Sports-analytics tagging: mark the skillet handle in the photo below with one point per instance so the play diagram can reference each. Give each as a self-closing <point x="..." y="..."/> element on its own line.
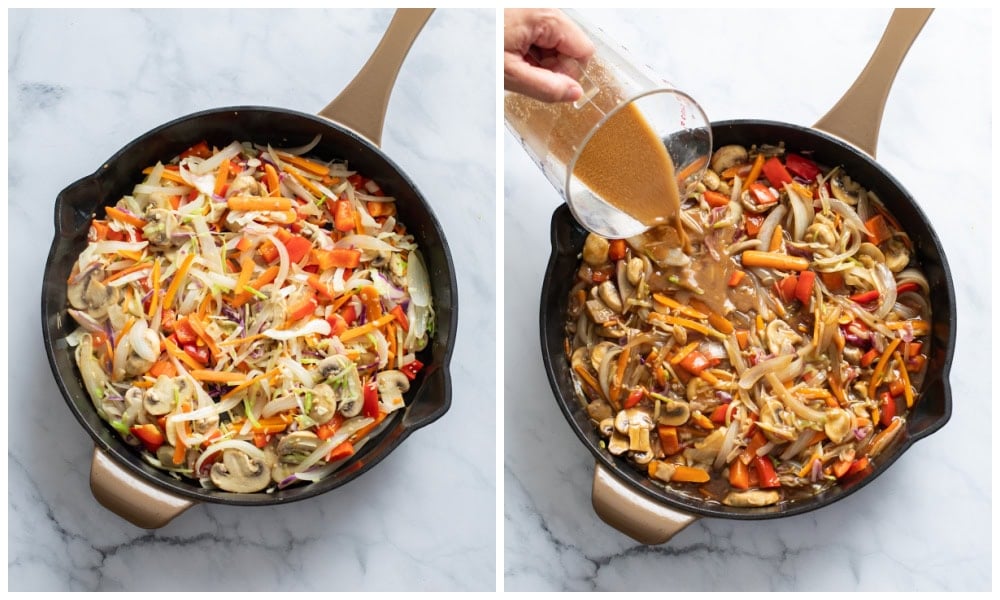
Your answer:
<point x="858" y="114"/>
<point x="131" y="498"/>
<point x="633" y="514"/>
<point x="362" y="104"/>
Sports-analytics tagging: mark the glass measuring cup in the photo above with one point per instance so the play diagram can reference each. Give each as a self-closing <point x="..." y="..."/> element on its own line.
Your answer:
<point x="555" y="135"/>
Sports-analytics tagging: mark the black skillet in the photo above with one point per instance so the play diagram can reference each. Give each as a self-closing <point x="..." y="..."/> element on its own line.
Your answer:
<point x="624" y="497"/>
<point x="351" y="128"/>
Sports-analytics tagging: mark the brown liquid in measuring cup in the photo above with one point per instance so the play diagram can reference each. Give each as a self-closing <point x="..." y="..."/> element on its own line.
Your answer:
<point x="627" y="165"/>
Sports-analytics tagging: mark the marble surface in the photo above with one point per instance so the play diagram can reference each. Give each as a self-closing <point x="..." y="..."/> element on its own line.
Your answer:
<point x="924" y="524"/>
<point x="84" y="83"/>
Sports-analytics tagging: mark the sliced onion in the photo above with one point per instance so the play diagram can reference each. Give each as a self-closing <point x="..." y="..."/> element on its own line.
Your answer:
<point x="283" y="261"/>
<point x="319" y="326"/>
<point x="848" y="213"/>
<point x="294" y="367"/>
<point x="800" y="444"/>
<point x="112" y="247"/>
<point x="206" y="411"/>
<point x="349" y="428"/>
<point x="365" y="242"/>
<point x="767" y="227"/>
<point x="86" y="321"/>
<point x="802" y="213"/>
<point x="728" y="443"/>
<point x="175" y="190"/>
<point x="300" y="150"/>
<point x="886" y="285"/>
<point x="141" y="346"/>
<point x="417" y="280"/>
<point x="385" y="287"/>
<point x="244" y="447"/>
<point x="751" y="375"/>
<point x="792" y="402"/>
<point x="201" y="167"/>
<point x="604" y="373"/>
<point x="279" y="405"/>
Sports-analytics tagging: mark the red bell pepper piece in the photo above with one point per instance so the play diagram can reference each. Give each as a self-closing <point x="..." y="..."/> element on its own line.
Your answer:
<point x="858" y="465"/>
<point x="411" y="369"/>
<point x="761" y="194"/>
<point x="349" y="313"/>
<point x="358" y="181"/>
<point x="865" y="297"/>
<point x="888" y="409"/>
<point x="634" y="397"/>
<point x="765" y="472"/>
<point x="338" y="324"/>
<point x="370" y="407"/>
<point x="869" y="357"/>
<point x="198" y="353"/>
<point x="786" y="288"/>
<point x="909" y="286"/>
<point x="343" y="450"/>
<point x="715" y="199"/>
<point x="303" y="308"/>
<point x="149" y="435"/>
<point x="616" y="250"/>
<point x="801" y="167"/>
<point x="297" y="247"/>
<point x="184" y="332"/>
<point x="776" y="172"/>
<point x="719" y="414"/>
<point x="400" y="315"/>
<point x="347" y="258"/>
<point x="343" y="215"/>
<point x="201" y="150"/>
<point x="804" y="288"/>
<point x="695" y="362"/>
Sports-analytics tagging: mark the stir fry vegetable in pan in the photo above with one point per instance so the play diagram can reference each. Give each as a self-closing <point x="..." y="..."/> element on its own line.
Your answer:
<point x="249" y="317"/>
<point x="777" y="355"/>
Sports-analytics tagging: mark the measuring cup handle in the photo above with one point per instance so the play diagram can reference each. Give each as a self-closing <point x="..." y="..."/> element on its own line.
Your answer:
<point x="362" y="104"/>
<point x="858" y="115"/>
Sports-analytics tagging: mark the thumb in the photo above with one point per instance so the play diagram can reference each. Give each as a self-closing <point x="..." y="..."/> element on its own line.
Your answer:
<point x="539" y="83"/>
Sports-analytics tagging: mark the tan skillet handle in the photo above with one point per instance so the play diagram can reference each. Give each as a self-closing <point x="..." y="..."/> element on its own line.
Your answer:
<point x="635" y="515"/>
<point x="362" y="104"/>
<point x="858" y="115"/>
<point x="131" y="498"/>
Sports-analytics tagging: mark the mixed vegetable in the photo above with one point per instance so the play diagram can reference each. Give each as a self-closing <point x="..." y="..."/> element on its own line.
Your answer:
<point x="779" y="354"/>
<point x="249" y="317"/>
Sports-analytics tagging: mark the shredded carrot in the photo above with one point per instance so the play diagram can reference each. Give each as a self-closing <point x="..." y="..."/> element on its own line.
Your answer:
<point x="222" y="177"/>
<point x="242" y="340"/>
<point x="272" y="180"/>
<point x="218" y="376"/>
<point x="124" y="217"/>
<point x="361" y="433"/>
<point x="179" y="354"/>
<point x="692" y="168"/>
<point x="687" y="323"/>
<point x="155" y="300"/>
<point x="265" y="278"/>
<point x="907" y="389"/>
<point x="758" y="165"/>
<point x="590" y="381"/>
<point x="309" y="185"/>
<point x="684" y="473"/>
<point x="880" y="368"/>
<point x="367" y="328"/>
<point x="127" y="271"/>
<point x="249" y="203"/>
<point x="677" y="358"/>
<point x="246" y="271"/>
<point x="305" y="164"/>
<point x="711" y="379"/>
<point x="246" y="384"/>
<point x="341" y="301"/>
<point x="775" y="260"/>
<point x="623" y="358"/>
<point x="175" y="284"/>
<point x="686" y="310"/>
<point x="736" y="278"/>
<point x="776" y="239"/>
<point x="167" y="174"/>
<point x="135" y="255"/>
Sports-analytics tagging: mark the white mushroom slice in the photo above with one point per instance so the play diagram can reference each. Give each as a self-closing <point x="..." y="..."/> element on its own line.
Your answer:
<point x="610" y="296"/>
<point x="618" y="444"/>
<point x="838" y="425"/>
<point x="342" y="375"/>
<point x="324" y="404"/>
<point x="88" y="294"/>
<point x="165" y="394"/>
<point x="728" y="156"/>
<point x="296" y="446"/>
<point x="595" y="250"/>
<point x="391" y="385"/>
<point x="752" y="498"/>
<point x="238" y="472"/>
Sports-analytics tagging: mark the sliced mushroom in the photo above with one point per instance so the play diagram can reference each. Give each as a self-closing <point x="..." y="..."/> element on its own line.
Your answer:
<point x="88" y="294"/>
<point x="245" y="185"/>
<point x="610" y="296"/>
<point x="599" y="312"/>
<point x="160" y="226"/>
<point x="635" y="270"/>
<point x="391" y="385"/>
<point x="711" y="179"/>
<point x="342" y="375"/>
<point x="599" y="410"/>
<point x="595" y="250"/>
<point x="846" y="190"/>
<point x="165" y="394"/>
<point x="597" y="354"/>
<point x="772" y="423"/>
<point x="642" y="457"/>
<point x="637" y="424"/>
<point x="607" y="427"/>
<point x="618" y="444"/>
<point x="870" y="255"/>
<point x="238" y="472"/>
<point x="897" y="255"/>
<point x="324" y="404"/>
<point x="139" y="359"/>
<point x="752" y="498"/>
<point x="839" y="425"/>
<point x="294" y="447"/>
<point x="728" y="156"/>
<point x="781" y="339"/>
<point x="674" y="412"/>
<point x="613" y="330"/>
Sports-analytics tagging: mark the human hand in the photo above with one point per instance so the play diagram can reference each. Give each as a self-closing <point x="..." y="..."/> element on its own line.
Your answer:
<point x="552" y="32"/>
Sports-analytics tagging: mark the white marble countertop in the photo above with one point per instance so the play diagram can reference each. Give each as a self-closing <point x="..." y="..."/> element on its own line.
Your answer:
<point x="82" y="84"/>
<point x="925" y="523"/>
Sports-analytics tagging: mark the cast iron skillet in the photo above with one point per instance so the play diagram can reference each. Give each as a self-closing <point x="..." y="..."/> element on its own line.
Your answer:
<point x="624" y="496"/>
<point x="146" y="496"/>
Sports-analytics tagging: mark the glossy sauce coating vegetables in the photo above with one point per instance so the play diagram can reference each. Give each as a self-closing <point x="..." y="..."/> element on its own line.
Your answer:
<point x="781" y="355"/>
<point x="249" y="317"/>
